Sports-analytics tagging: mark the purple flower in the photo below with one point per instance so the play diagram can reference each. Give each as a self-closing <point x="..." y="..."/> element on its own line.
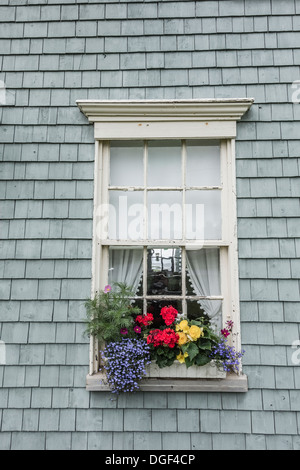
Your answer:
<point x="125" y="364"/>
<point x="137" y="329"/>
<point x="123" y="331"/>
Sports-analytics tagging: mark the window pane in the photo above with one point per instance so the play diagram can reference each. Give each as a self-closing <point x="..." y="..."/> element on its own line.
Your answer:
<point x="203" y="272"/>
<point x="203" y="215"/>
<point x="164" y="271"/>
<point x="203" y="308"/>
<point x="203" y="164"/>
<point x="164" y="164"/>
<point x="165" y="215"/>
<point x="126" y="215"/>
<point x="126" y="164"/>
<point x="125" y="265"/>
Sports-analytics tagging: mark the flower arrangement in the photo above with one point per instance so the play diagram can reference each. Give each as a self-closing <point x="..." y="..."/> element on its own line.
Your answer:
<point x="131" y="343"/>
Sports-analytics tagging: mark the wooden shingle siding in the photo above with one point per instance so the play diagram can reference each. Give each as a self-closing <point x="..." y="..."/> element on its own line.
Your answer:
<point x="54" y="53"/>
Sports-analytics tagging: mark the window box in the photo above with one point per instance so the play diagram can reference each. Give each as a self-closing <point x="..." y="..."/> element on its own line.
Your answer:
<point x="179" y="371"/>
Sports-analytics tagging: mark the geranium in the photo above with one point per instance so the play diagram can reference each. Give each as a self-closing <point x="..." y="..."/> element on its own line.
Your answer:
<point x="144" y="320"/>
<point x="169" y="314"/>
<point x="169" y="337"/>
<point x="166" y="337"/>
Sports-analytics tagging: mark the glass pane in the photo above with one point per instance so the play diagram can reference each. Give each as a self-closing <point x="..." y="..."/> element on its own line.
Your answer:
<point x="155" y="306"/>
<point x="138" y="303"/>
<point x="126" y="265"/>
<point x="199" y="309"/>
<point x="126" y="164"/>
<point x="203" y="215"/>
<point x="164" y="164"/>
<point x="203" y="164"/>
<point x="126" y="215"/>
<point x="164" y="271"/>
<point x="203" y="272"/>
<point x="164" y="215"/>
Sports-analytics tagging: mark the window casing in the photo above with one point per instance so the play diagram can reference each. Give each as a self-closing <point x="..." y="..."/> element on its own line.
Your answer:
<point x="139" y="132"/>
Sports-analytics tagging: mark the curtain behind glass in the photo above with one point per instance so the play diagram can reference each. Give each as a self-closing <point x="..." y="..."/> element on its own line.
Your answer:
<point x="204" y="272"/>
<point x="126" y="265"/>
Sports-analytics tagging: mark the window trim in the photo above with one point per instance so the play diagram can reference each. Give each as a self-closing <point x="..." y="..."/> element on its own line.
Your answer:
<point x="169" y="119"/>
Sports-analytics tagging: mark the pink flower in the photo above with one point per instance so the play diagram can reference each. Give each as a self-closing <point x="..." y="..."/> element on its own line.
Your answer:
<point x="123" y="331"/>
<point x="137" y="329"/>
<point x="225" y="332"/>
<point x="107" y="288"/>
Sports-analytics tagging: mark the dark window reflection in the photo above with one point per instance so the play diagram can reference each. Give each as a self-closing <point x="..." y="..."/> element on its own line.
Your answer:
<point x="194" y="311"/>
<point x="164" y="271"/>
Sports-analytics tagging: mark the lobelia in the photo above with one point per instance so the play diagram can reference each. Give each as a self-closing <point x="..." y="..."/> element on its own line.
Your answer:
<point x="125" y="364"/>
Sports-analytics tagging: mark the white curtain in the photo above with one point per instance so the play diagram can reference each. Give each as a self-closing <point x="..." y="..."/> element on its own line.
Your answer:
<point x="204" y="271"/>
<point x="125" y="265"/>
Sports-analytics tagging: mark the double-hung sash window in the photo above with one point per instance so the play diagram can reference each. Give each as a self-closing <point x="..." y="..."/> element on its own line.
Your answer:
<point x="164" y="206"/>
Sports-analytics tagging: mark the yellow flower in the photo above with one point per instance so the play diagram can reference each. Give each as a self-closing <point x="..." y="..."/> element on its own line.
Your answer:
<point x="181" y="357"/>
<point x="182" y="338"/>
<point x="195" y="332"/>
<point x="184" y="326"/>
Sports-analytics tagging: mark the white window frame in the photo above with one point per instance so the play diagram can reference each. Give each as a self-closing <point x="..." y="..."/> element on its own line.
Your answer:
<point x="210" y="119"/>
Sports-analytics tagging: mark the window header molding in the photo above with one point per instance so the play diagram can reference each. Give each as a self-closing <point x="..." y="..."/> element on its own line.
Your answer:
<point x="198" y="109"/>
<point x="144" y="119"/>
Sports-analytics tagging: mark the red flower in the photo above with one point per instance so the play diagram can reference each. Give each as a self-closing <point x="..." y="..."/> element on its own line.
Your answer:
<point x="144" y="319"/>
<point x="166" y="337"/>
<point x="169" y="314"/>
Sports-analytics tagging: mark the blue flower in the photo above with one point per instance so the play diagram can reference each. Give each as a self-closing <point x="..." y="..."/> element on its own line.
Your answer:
<point x="125" y="364"/>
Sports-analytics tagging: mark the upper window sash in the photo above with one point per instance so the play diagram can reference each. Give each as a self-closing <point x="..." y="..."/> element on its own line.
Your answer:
<point x="167" y="119"/>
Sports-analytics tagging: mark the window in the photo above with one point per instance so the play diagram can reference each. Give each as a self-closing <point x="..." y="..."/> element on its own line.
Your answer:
<point x="165" y="214"/>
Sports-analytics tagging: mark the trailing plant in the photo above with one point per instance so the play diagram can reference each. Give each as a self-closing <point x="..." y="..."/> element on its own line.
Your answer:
<point x="110" y="315"/>
<point x="125" y="364"/>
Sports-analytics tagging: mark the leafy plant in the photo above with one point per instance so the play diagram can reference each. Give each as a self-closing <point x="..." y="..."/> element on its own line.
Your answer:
<point x="110" y="314"/>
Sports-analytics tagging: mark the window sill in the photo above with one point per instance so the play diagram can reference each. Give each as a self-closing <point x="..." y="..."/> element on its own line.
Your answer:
<point x="232" y="383"/>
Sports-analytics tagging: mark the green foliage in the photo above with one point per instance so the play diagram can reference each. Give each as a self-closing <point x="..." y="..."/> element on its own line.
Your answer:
<point x="199" y="351"/>
<point x="109" y="312"/>
<point x="163" y="355"/>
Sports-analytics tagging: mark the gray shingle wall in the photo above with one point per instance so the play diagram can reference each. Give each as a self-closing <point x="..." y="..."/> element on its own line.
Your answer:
<point x="53" y="54"/>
